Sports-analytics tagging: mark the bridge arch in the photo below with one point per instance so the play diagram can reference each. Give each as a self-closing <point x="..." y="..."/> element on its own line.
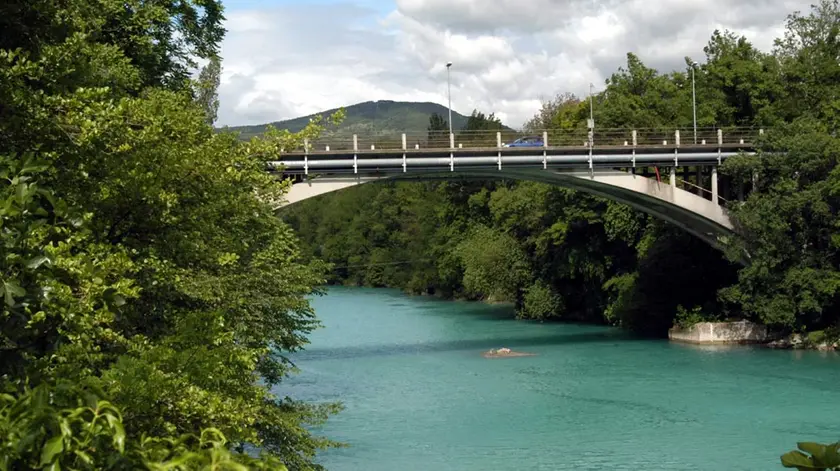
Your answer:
<point x="703" y="218"/>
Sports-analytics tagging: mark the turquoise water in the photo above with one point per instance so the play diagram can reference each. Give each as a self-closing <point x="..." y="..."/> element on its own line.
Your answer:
<point x="419" y="395"/>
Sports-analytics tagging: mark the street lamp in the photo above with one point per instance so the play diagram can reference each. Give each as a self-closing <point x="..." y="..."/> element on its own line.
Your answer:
<point x="449" y="94"/>
<point x="694" y="99"/>
<point x="591" y="116"/>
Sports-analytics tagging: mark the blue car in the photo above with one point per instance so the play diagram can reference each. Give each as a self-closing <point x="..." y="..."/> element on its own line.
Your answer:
<point x="527" y="141"/>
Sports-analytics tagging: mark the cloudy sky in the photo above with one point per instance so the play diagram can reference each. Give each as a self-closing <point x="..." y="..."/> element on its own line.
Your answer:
<point x="288" y="58"/>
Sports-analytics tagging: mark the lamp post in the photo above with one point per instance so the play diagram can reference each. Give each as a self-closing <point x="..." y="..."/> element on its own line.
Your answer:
<point x="449" y="94"/>
<point x="694" y="99"/>
<point x="591" y="117"/>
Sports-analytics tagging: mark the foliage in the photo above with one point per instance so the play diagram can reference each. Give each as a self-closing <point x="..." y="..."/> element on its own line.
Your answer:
<point x="438" y="131"/>
<point x="141" y="254"/>
<point x="494" y="266"/>
<point x="689" y="317"/>
<point x="561" y="113"/>
<point x="208" y="86"/>
<point x="823" y="457"/>
<point x="540" y="301"/>
<point x="70" y="427"/>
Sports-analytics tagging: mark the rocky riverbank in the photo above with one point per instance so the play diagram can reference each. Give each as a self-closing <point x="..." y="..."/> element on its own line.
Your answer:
<point x="811" y="341"/>
<point x="745" y="332"/>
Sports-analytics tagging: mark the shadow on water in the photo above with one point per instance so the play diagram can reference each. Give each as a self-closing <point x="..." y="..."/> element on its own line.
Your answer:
<point x="458" y="345"/>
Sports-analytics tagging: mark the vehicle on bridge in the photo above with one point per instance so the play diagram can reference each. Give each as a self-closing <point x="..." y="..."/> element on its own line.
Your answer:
<point x="527" y="141"/>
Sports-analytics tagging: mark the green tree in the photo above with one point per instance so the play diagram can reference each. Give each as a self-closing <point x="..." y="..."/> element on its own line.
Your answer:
<point x="788" y="221"/>
<point x="141" y="251"/>
<point x="738" y="85"/>
<point x="808" y="55"/>
<point x="208" y="89"/>
<point x="438" y="131"/>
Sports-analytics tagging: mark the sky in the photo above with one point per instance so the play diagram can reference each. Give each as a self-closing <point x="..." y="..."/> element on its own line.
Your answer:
<point x="288" y="58"/>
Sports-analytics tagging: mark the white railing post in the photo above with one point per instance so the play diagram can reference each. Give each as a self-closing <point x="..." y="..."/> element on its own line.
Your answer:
<point x="676" y="148"/>
<point x="545" y="152"/>
<point x="355" y="153"/>
<point x="499" y="147"/>
<point x="405" y="163"/>
<point x="720" y="145"/>
<point x="635" y="142"/>
<point x="673" y="177"/>
<point x="306" y="156"/>
<point x="451" y="153"/>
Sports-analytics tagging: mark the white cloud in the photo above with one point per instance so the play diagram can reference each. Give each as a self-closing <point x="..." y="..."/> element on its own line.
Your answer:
<point x="286" y="61"/>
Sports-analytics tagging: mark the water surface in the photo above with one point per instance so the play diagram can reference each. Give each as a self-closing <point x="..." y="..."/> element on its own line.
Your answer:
<point x="419" y="395"/>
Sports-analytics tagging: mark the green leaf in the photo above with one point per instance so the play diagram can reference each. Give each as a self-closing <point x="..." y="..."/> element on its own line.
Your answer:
<point x="53" y="447"/>
<point x="21" y="193"/>
<point x="12" y="289"/>
<point x="84" y="456"/>
<point x="814" y="449"/>
<point x="37" y="261"/>
<point x="118" y="431"/>
<point x="797" y="459"/>
<point x="831" y="458"/>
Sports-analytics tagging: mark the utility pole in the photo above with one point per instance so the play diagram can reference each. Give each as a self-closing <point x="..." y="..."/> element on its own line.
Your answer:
<point x="694" y="99"/>
<point x="449" y="94"/>
<point x="591" y="117"/>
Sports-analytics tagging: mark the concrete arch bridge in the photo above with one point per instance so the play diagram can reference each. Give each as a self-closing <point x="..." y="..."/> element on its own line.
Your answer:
<point x="650" y="174"/>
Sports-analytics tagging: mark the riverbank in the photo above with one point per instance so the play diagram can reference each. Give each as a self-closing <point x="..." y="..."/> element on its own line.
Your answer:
<point x="817" y="340"/>
<point x="703" y="333"/>
<point x="745" y="332"/>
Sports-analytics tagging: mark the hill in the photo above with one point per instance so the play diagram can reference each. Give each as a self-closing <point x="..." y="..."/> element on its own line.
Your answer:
<point x="371" y="117"/>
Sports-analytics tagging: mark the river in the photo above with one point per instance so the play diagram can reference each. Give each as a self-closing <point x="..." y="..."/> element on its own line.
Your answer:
<point x="419" y="395"/>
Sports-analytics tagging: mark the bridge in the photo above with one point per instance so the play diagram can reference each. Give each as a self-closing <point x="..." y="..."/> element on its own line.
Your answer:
<point x="622" y="165"/>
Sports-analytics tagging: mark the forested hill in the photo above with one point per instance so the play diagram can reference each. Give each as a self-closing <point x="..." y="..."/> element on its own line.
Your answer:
<point x="560" y="254"/>
<point x="370" y="117"/>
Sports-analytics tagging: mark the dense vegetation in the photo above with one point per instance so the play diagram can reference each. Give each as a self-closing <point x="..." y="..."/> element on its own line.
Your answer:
<point x="561" y="254"/>
<point x="148" y="292"/>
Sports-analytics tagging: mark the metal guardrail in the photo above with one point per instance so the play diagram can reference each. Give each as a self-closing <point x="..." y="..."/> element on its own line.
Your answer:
<point x="385" y="164"/>
<point x="484" y="139"/>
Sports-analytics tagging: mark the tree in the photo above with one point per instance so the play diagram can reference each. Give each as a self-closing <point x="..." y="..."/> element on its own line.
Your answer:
<point x="808" y="54"/>
<point x="788" y="221"/>
<point x="739" y="83"/>
<point x="438" y="131"/>
<point x="477" y="121"/>
<point x="208" y="89"/>
<point x="141" y="251"/>
<point x="562" y="112"/>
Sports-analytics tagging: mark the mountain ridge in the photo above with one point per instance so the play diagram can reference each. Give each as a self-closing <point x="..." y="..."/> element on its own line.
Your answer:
<point x="368" y="118"/>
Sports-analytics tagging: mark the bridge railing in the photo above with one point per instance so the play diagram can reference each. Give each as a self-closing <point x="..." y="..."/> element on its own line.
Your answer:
<point x="422" y="139"/>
